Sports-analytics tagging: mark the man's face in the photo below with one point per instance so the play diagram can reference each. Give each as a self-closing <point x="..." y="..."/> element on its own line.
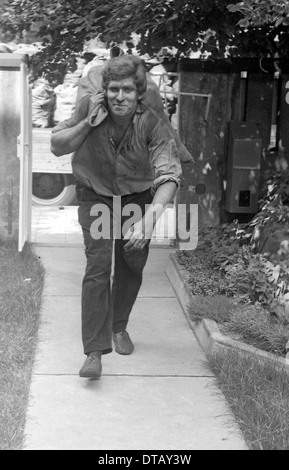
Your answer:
<point x="122" y="97"/>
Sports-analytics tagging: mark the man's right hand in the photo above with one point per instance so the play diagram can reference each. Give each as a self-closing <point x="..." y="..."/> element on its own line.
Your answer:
<point x="69" y="139"/>
<point x="95" y="101"/>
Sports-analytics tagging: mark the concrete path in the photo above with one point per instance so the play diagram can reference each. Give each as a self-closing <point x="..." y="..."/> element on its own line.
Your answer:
<point x="54" y="225"/>
<point x="161" y="398"/>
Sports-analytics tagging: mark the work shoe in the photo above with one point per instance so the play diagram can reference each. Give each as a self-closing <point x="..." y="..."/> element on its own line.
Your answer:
<point x="123" y="343"/>
<point x="92" y="367"/>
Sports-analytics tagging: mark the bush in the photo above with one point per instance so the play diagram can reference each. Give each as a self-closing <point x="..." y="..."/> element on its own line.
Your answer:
<point x="238" y="286"/>
<point x="222" y="265"/>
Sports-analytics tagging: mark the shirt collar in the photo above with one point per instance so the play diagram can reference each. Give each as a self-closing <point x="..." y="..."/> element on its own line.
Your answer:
<point x="141" y="107"/>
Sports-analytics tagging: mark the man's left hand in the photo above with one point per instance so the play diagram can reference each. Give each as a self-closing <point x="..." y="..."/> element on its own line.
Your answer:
<point x="137" y="237"/>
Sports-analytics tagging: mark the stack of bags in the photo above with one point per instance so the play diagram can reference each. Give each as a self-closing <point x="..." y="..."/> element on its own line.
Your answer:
<point x="43" y="104"/>
<point x="67" y="92"/>
<point x="53" y="105"/>
<point x="65" y="102"/>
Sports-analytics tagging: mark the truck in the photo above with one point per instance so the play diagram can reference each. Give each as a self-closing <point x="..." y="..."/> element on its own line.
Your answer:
<point x="53" y="183"/>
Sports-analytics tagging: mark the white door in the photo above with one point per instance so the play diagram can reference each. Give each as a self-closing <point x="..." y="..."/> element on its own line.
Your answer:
<point x="25" y="156"/>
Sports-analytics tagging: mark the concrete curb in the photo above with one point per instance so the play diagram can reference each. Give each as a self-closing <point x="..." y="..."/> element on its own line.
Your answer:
<point x="206" y="331"/>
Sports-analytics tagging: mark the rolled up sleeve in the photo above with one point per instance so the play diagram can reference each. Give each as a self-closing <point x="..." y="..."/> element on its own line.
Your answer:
<point x="164" y="156"/>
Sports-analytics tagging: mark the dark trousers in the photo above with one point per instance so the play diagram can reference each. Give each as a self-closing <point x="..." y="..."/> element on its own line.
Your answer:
<point x="107" y="300"/>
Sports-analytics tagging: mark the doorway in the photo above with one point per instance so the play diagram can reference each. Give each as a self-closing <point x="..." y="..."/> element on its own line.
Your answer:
<point x="55" y="221"/>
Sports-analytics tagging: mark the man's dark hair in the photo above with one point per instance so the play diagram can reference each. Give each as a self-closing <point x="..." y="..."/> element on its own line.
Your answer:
<point x="128" y="66"/>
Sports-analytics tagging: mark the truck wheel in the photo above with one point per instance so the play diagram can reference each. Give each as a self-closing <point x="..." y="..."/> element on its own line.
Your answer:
<point x="49" y="189"/>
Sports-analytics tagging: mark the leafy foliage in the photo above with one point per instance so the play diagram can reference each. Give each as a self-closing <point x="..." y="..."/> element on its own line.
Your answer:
<point x="257" y="13"/>
<point x="204" y="274"/>
<point x="62" y="26"/>
<point x="220" y="265"/>
<point x="229" y="258"/>
<point x="273" y="210"/>
<point x="185" y="26"/>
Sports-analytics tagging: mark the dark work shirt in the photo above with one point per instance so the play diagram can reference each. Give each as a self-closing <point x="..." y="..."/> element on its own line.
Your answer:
<point x="147" y="156"/>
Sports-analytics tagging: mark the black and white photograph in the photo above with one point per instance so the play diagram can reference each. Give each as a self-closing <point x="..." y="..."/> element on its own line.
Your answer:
<point x="144" y="227"/>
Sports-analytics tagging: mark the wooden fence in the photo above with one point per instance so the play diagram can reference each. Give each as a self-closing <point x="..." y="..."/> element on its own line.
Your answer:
<point x="249" y="90"/>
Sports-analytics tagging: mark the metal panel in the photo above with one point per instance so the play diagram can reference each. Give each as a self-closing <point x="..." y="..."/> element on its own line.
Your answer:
<point x="13" y="60"/>
<point x="259" y="109"/>
<point x="283" y="135"/>
<point x="43" y="160"/>
<point x="25" y="156"/>
<point x="10" y="99"/>
<point x="243" y="178"/>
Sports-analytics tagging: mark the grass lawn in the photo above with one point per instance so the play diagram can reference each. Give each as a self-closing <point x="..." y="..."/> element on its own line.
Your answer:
<point x="22" y="279"/>
<point x="258" y="394"/>
<point x="256" y="390"/>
